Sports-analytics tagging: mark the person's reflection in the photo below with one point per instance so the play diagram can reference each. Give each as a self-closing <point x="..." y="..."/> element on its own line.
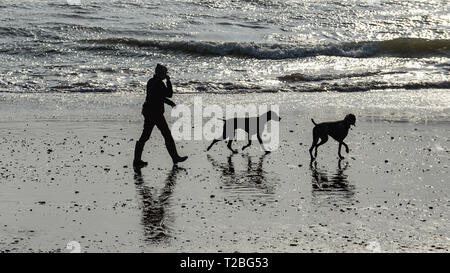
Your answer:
<point x="154" y="215"/>
<point x="254" y="177"/>
<point x="336" y="185"/>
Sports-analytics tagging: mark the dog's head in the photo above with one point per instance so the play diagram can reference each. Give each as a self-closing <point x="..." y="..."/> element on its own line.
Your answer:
<point x="271" y="115"/>
<point x="350" y="119"/>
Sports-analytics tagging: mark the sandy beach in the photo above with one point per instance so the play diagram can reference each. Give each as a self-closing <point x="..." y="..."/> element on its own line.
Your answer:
<point x="66" y="175"/>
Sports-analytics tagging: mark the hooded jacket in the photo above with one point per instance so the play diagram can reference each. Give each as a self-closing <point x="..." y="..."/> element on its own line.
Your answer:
<point x="157" y="94"/>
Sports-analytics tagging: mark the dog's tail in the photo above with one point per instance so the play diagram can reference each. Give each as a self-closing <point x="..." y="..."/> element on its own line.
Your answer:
<point x="313" y="122"/>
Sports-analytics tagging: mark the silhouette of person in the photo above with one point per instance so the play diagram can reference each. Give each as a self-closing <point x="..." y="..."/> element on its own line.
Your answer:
<point x="153" y="112"/>
<point x="154" y="216"/>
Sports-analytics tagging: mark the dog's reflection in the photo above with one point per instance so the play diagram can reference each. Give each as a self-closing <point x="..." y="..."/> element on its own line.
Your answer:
<point x="335" y="186"/>
<point x="252" y="180"/>
<point x="154" y="207"/>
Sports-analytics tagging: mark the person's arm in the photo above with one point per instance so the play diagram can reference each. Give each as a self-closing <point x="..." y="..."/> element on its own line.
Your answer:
<point x="169" y="102"/>
<point x="169" y="90"/>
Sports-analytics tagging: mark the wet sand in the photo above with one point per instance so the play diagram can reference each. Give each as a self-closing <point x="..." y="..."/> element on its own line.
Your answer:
<point x="66" y="175"/>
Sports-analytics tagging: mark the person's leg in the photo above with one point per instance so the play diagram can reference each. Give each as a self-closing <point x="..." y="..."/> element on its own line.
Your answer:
<point x="148" y="127"/>
<point x="162" y="125"/>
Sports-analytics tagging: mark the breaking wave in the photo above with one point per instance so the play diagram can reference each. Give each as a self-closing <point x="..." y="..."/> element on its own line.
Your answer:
<point x="401" y="47"/>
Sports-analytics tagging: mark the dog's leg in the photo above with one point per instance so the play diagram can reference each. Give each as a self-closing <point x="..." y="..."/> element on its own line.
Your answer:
<point x="212" y="143"/>
<point x="315" y="139"/>
<point x="323" y="140"/>
<point x="249" y="143"/>
<point x="339" y="151"/>
<point x="229" y="146"/>
<point x="261" y="143"/>
<point x="346" y="147"/>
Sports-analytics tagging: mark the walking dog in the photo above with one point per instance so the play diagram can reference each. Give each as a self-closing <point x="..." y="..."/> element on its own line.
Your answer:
<point x="337" y="130"/>
<point x="252" y="125"/>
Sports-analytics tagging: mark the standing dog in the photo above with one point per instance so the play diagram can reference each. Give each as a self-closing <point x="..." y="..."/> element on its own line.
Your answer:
<point x="337" y="130"/>
<point x="252" y="125"/>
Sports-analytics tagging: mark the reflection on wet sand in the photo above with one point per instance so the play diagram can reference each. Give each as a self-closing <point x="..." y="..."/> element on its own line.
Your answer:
<point x="334" y="188"/>
<point x="251" y="182"/>
<point x="155" y="217"/>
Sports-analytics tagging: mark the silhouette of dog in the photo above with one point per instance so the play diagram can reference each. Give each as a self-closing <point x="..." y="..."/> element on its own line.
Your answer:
<point x="252" y="125"/>
<point x="337" y="130"/>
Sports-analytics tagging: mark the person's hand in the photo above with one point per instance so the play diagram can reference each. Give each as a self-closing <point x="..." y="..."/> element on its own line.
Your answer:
<point x="167" y="77"/>
<point x="172" y="104"/>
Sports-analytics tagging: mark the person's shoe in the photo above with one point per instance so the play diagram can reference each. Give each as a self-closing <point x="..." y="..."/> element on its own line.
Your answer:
<point x="139" y="163"/>
<point x="179" y="159"/>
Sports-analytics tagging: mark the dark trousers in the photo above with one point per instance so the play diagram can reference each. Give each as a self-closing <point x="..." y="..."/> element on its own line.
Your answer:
<point x="158" y="120"/>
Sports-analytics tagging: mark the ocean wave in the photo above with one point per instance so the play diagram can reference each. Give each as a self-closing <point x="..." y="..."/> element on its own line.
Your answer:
<point x="401" y="47"/>
<point x="68" y="27"/>
<point x="223" y="88"/>
<point x="192" y="87"/>
<point x="372" y="86"/>
<point x="12" y="32"/>
<point x="298" y="77"/>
